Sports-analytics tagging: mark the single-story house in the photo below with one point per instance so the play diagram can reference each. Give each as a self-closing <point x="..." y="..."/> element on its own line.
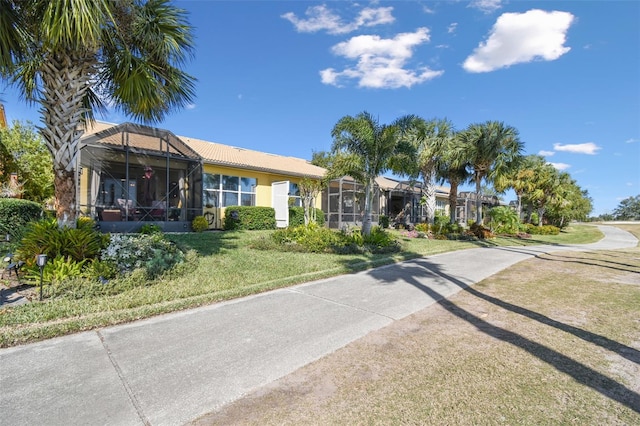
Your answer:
<point x="130" y="173"/>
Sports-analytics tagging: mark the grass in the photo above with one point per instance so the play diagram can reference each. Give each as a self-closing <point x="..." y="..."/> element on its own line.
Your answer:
<point x="227" y="268"/>
<point x="551" y="340"/>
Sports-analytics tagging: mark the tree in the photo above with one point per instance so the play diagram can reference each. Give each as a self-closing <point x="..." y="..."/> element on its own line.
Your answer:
<point x="73" y="56"/>
<point x="432" y="138"/>
<point x="24" y="152"/>
<point x="453" y="168"/>
<point x="492" y="149"/>
<point x="365" y="149"/>
<point x="519" y="178"/>
<point x="628" y="209"/>
<point x="309" y="190"/>
<point x="546" y="190"/>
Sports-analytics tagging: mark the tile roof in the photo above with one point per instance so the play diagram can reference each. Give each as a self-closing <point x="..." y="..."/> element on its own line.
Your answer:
<point x="222" y="155"/>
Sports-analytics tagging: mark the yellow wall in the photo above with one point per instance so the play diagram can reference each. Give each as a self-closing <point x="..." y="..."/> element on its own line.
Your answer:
<point x="263" y="190"/>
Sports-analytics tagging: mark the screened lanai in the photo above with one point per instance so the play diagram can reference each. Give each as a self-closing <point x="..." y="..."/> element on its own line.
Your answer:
<point x="131" y="173"/>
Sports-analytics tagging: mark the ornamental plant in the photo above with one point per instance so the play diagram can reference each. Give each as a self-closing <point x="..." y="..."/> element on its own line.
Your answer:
<point x="150" y="252"/>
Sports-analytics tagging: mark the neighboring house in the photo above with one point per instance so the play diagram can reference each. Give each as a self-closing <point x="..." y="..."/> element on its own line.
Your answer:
<point x="343" y="202"/>
<point x="131" y="173"/>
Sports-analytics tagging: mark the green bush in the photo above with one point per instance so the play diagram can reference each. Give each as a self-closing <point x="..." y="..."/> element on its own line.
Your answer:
<point x="312" y="238"/>
<point x="15" y="214"/>
<point x="422" y="227"/>
<point x="383" y="221"/>
<point x="249" y="218"/>
<point x="541" y="230"/>
<point x="504" y="220"/>
<point x="296" y="216"/>
<point x="150" y="252"/>
<point x="199" y="224"/>
<point x="44" y="237"/>
<point x="56" y="270"/>
<point x="150" y="228"/>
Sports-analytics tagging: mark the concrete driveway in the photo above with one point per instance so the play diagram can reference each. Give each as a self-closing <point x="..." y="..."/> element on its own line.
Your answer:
<point x="171" y="369"/>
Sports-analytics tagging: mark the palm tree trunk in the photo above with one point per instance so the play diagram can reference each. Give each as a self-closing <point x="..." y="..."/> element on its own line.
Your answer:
<point x="65" y="82"/>
<point x="430" y="196"/>
<point x="366" y="221"/>
<point x="453" y="200"/>
<point x="478" y="201"/>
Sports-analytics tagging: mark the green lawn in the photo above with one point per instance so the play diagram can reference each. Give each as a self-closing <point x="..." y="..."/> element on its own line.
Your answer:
<point x="227" y="267"/>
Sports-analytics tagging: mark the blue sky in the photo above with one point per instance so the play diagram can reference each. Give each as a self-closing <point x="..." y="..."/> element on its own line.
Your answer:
<point x="276" y="76"/>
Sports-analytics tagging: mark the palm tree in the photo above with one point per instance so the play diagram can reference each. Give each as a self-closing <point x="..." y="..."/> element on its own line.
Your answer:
<point x="453" y="168"/>
<point x="365" y="149"/>
<point x="73" y="56"/>
<point x="492" y="149"/>
<point x="520" y="178"/>
<point x="433" y="137"/>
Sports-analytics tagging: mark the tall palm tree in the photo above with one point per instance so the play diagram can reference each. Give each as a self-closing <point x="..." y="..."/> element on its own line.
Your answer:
<point x="453" y="167"/>
<point x="433" y="137"/>
<point x="73" y="56"/>
<point x="492" y="148"/>
<point x="365" y="149"/>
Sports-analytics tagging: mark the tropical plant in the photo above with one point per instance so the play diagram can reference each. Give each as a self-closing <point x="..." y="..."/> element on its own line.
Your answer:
<point x="72" y="57"/>
<point x="453" y="168"/>
<point x="365" y="149"/>
<point x="504" y="220"/>
<point x="492" y="149"/>
<point x="432" y="138"/>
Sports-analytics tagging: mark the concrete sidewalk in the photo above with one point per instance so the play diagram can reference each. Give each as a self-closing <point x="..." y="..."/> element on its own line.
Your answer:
<point x="170" y="369"/>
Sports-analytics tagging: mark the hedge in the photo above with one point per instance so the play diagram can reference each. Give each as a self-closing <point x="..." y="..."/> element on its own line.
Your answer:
<point x="16" y="213"/>
<point x="249" y="218"/>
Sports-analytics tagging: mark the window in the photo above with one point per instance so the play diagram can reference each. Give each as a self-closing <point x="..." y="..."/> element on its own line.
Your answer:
<point x="294" y="195"/>
<point x="224" y="190"/>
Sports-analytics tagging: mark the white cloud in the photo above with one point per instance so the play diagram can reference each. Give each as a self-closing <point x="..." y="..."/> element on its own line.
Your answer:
<point x="381" y="62"/>
<point x="546" y="153"/>
<point x="452" y="27"/>
<point x="190" y="106"/>
<point x="560" y="166"/>
<point x="632" y="140"/>
<point x="486" y="6"/>
<point x="521" y="37"/>
<point x="321" y="18"/>
<point x="580" y="148"/>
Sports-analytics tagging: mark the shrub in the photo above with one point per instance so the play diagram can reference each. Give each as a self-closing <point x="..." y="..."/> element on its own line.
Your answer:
<point x="56" y="270"/>
<point x="152" y="253"/>
<point x="199" y="224"/>
<point x="249" y="218"/>
<point x="15" y="214"/>
<point x="422" y="227"/>
<point x="542" y="230"/>
<point x="85" y="222"/>
<point x="383" y="221"/>
<point x="44" y="237"/>
<point x="312" y="238"/>
<point x="504" y="220"/>
<point x="150" y="228"/>
<point x="481" y="232"/>
<point x="296" y="216"/>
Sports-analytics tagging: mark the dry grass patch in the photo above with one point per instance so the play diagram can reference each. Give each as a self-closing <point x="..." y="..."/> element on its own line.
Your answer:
<point x="552" y="340"/>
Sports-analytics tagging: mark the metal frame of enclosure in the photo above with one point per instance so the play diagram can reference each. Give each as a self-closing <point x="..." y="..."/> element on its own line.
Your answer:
<point x="133" y="174"/>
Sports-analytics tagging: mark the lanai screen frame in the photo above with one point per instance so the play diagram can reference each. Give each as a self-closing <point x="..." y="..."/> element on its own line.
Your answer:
<point x="133" y="147"/>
